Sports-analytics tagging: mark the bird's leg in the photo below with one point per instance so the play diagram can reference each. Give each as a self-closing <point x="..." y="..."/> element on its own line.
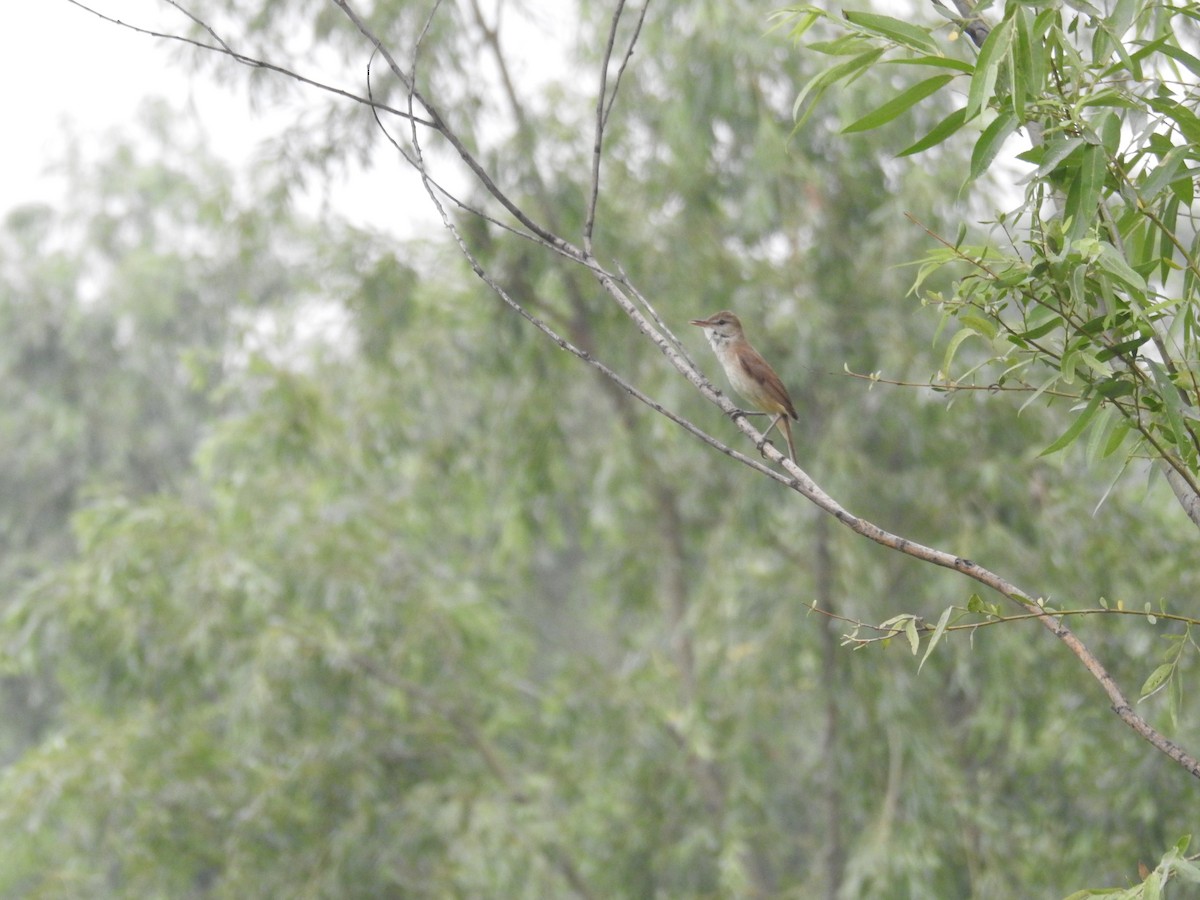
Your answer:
<point x="774" y="422"/>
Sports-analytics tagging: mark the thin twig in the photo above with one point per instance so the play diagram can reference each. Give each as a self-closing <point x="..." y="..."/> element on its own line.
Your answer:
<point x="249" y="61"/>
<point x="637" y="31"/>
<point x="604" y="104"/>
<point x="956" y="387"/>
<point x="589" y="220"/>
<point x="439" y="125"/>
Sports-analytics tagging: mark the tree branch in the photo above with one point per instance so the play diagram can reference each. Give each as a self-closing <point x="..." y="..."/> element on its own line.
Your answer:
<point x="440" y="126"/>
<point x="604" y="105"/>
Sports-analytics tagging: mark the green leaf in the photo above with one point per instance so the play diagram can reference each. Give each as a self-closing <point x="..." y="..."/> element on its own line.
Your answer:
<point x="1111" y="261"/>
<point x="904" y="33"/>
<point x="1189" y="62"/>
<point x="978" y="322"/>
<point x="1104" y="423"/>
<point x="990" y="142"/>
<point x="1109" y="129"/>
<point x="822" y="81"/>
<point x="938" y="62"/>
<point x="1172" y="406"/>
<point x="987" y="67"/>
<point x="846" y="45"/>
<point x="1041" y="330"/>
<point x="938" y="631"/>
<point x="1083" y="193"/>
<point x="938" y="133"/>
<point x="1119" y="433"/>
<point x="952" y="348"/>
<point x="1028" y="61"/>
<point x="1156" y="679"/>
<point x="1164" y="173"/>
<point x="1055" y="151"/>
<point x="910" y="631"/>
<point x="897" y="104"/>
<point x="1046" y="385"/>
<point x="805" y="19"/>
<point x="1186" y="120"/>
<point x="1185" y="872"/>
<point x="1076" y="429"/>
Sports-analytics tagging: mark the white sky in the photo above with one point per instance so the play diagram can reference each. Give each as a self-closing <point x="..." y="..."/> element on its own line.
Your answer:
<point x="62" y="65"/>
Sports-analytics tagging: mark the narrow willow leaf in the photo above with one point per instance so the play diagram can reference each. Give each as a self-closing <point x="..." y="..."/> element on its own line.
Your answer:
<point x="1173" y="409"/>
<point x="1156" y="680"/>
<point x="1189" y="62"/>
<point x="904" y="33"/>
<point x="1166" y="247"/>
<point x="952" y="347"/>
<point x="990" y="142"/>
<point x="1185" y="190"/>
<point x="1164" y="173"/>
<point x="1083" y="193"/>
<point x="1186" y="120"/>
<point x="1041" y="330"/>
<point x="1055" y="152"/>
<point x="1018" y="65"/>
<point x="1076" y="429"/>
<point x="1119" y="433"/>
<point x="938" y="631"/>
<point x="910" y="631"/>
<point x="987" y="67"/>
<point x="1104" y="422"/>
<point x="1109" y="129"/>
<point x="822" y="81"/>
<point x="938" y="62"/>
<point x="1046" y="385"/>
<point x="978" y="322"/>
<point x="804" y="21"/>
<point x="938" y="133"/>
<point x="897" y="104"/>
<point x="1111" y="261"/>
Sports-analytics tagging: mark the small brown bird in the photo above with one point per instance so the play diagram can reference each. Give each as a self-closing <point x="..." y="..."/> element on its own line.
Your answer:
<point x="750" y="374"/>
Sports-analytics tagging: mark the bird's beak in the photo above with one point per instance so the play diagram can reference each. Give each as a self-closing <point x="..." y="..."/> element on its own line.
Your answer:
<point x="700" y="322"/>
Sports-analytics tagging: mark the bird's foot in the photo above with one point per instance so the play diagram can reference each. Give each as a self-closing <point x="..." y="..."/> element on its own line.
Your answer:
<point x="762" y="447"/>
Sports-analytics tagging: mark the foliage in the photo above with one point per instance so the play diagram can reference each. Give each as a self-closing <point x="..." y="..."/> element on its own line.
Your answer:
<point x="1092" y="297"/>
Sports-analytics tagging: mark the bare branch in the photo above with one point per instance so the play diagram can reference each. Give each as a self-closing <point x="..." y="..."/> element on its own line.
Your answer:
<point x="637" y="31"/>
<point x="604" y="105"/>
<point x="439" y="125"/>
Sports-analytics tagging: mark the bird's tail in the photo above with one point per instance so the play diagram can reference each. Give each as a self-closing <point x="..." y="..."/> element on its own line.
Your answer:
<point x="787" y="432"/>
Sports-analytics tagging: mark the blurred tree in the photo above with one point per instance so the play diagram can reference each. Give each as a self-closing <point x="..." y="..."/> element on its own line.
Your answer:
<point x="432" y="615"/>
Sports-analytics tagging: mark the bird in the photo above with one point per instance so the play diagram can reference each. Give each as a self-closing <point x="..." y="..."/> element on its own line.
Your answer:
<point x="751" y="375"/>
